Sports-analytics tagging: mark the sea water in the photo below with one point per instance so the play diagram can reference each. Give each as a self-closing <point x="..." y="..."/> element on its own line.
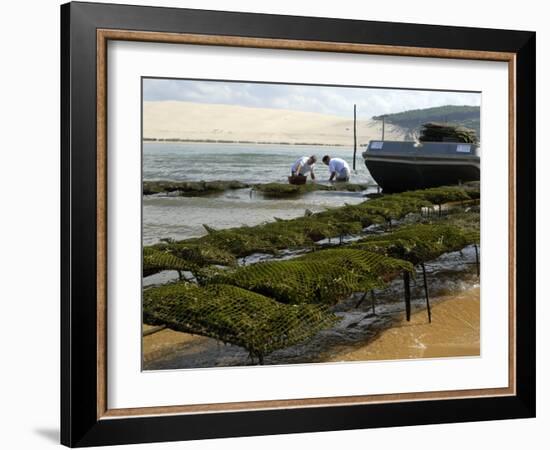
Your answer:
<point x="183" y="217"/>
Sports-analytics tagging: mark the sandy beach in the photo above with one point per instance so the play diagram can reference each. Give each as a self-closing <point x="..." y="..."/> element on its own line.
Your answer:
<point x="202" y="121"/>
<point x="165" y="342"/>
<point x="454" y="331"/>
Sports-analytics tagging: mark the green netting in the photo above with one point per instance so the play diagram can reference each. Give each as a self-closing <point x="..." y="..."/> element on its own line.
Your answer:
<point x="383" y="209"/>
<point x="183" y="256"/>
<point x="302" y="232"/>
<point x="440" y="195"/>
<point x="272" y="236"/>
<point x="190" y="188"/>
<point x="233" y="315"/>
<point x="443" y="132"/>
<point x="200" y="254"/>
<point x="196" y="188"/>
<point x="350" y="187"/>
<point x="278" y="190"/>
<point x="472" y="188"/>
<point x="466" y="221"/>
<point x="323" y="277"/>
<point x="420" y="242"/>
<point x="272" y="305"/>
<point x="156" y="261"/>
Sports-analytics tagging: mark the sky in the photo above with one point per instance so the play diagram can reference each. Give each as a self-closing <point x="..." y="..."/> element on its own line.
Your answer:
<point x="337" y="101"/>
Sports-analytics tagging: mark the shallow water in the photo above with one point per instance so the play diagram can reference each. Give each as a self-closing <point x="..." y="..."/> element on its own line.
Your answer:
<point x="249" y="163"/>
<point x="454" y="331"/>
<point x="183" y="217"/>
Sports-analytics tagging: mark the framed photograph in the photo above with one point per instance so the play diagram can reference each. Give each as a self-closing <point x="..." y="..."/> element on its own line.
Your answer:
<point x="276" y="224"/>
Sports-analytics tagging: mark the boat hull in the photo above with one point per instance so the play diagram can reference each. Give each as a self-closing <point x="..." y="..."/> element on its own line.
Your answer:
<point x="408" y="170"/>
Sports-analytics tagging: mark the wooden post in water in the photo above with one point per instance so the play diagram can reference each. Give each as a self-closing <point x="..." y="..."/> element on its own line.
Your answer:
<point x="407" y="289"/>
<point x="362" y="299"/>
<point x="354" y="134"/>
<point x="477" y="259"/>
<point x="426" y="292"/>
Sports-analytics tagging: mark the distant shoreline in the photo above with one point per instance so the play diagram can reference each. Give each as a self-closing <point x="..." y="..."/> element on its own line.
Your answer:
<point x="225" y="141"/>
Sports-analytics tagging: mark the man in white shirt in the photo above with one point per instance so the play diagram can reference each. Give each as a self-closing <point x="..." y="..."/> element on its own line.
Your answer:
<point x="338" y="168"/>
<point x="303" y="166"/>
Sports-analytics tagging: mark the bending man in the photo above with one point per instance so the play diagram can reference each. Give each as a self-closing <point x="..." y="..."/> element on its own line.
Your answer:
<point x="338" y="168"/>
<point x="303" y="166"/>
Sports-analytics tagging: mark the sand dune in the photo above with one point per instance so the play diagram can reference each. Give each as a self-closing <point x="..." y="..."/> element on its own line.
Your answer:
<point x="199" y="121"/>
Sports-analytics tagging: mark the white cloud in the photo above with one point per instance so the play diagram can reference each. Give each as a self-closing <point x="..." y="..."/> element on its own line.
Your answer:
<point x="325" y="99"/>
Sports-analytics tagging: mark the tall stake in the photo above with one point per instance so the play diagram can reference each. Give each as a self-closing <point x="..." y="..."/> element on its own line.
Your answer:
<point x="383" y="126"/>
<point x="354" y="134"/>
<point x="407" y="288"/>
<point x="426" y="292"/>
<point x="477" y="259"/>
<point x="362" y="299"/>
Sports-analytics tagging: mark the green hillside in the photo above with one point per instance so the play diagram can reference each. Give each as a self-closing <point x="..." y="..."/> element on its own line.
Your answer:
<point x="466" y="116"/>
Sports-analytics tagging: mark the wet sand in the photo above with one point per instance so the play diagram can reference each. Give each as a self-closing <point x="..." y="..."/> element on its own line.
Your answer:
<point x="454" y="331"/>
<point x="165" y="342"/>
